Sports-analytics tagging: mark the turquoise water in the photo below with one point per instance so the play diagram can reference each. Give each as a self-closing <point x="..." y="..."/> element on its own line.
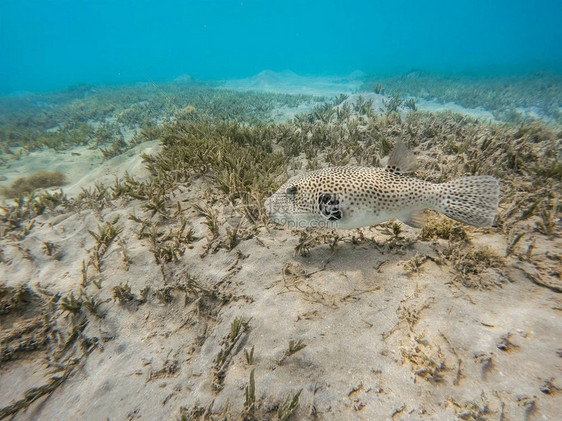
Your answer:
<point x="46" y="45"/>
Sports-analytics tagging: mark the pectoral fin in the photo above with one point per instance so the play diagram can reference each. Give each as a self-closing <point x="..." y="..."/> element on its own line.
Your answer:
<point x="415" y="219"/>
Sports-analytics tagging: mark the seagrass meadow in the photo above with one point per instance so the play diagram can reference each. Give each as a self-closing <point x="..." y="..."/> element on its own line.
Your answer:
<point x="141" y="278"/>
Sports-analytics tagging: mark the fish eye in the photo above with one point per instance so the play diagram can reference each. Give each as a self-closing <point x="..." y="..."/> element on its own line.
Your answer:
<point x="291" y="190"/>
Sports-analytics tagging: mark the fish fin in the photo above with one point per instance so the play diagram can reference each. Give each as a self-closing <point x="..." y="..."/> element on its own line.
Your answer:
<point x="401" y="160"/>
<point x="471" y="200"/>
<point x="415" y="219"/>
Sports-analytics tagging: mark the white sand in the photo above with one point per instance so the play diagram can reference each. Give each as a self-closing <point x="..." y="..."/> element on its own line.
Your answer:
<point x="291" y="83"/>
<point x="81" y="166"/>
<point x="365" y="329"/>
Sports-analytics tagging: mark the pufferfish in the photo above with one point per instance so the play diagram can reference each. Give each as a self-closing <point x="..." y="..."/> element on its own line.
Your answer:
<point x="352" y="197"/>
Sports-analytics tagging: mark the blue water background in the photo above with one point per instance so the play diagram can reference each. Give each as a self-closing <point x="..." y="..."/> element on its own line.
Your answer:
<point x="48" y="44"/>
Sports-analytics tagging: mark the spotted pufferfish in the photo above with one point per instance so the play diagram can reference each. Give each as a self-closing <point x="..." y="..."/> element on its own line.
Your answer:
<point x="352" y="197"/>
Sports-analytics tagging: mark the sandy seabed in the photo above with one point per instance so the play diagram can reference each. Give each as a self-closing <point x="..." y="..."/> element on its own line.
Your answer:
<point x="368" y="325"/>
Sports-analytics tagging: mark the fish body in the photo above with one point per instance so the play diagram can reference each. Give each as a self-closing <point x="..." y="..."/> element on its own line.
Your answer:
<point x="351" y="197"/>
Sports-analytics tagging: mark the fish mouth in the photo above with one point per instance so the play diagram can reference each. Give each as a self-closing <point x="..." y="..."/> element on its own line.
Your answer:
<point x="276" y="218"/>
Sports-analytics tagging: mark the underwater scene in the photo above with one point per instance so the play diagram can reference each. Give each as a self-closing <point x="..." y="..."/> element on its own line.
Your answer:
<point x="266" y="210"/>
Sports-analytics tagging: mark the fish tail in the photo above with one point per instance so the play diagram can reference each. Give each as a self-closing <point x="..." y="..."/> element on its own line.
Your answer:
<point x="471" y="200"/>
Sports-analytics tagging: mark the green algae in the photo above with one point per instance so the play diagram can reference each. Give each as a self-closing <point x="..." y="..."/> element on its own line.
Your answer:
<point x="30" y="183"/>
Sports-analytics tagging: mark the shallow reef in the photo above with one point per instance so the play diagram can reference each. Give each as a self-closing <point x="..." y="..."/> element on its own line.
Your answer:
<point x="171" y="295"/>
<point x="100" y="117"/>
